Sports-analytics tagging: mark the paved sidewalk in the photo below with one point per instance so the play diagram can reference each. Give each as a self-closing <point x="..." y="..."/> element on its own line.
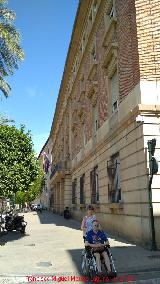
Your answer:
<point x="53" y="246"/>
<point x="131" y="258"/>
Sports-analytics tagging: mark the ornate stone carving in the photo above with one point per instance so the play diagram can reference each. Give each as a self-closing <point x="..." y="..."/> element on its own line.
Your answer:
<point x="94" y="99"/>
<point x="92" y="92"/>
<point x="80" y="110"/>
<point x="111" y="46"/>
<point x="74" y="127"/>
<point x="110" y="62"/>
<point x="92" y="87"/>
<point x="82" y="115"/>
<point x="110" y="31"/>
<point x="93" y="71"/>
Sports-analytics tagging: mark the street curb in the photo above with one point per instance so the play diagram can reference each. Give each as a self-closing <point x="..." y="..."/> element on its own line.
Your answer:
<point x="23" y="279"/>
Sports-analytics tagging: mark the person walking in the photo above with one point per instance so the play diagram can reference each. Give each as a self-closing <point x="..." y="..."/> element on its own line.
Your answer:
<point x="87" y="221"/>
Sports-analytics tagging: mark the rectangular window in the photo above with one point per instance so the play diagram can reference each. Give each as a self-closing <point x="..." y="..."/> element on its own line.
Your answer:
<point x="94" y="185"/>
<point x="74" y="72"/>
<point x="83" y="42"/>
<point x="95" y="7"/>
<point x="82" y="192"/>
<point x="93" y="54"/>
<point x="83" y="131"/>
<point x="110" y="14"/>
<point x="74" y="192"/>
<point x="52" y="199"/>
<point x="94" y="120"/>
<point x="81" y="49"/>
<point x="90" y="17"/>
<point x="114" y="189"/>
<point x="114" y="90"/>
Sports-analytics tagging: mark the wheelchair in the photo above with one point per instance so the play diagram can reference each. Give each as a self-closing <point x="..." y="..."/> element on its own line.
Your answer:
<point x="89" y="266"/>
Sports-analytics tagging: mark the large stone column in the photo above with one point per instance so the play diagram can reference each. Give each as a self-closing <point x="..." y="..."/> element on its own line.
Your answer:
<point x="58" y="196"/>
<point x="62" y="196"/>
<point x="67" y="191"/>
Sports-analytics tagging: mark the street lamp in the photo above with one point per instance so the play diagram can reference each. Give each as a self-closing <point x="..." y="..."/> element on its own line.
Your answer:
<point x="153" y="165"/>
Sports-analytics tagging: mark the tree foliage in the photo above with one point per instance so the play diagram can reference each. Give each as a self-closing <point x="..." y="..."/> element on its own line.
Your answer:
<point x="10" y="50"/>
<point x="5" y="120"/>
<point x="19" y="167"/>
<point x="32" y="192"/>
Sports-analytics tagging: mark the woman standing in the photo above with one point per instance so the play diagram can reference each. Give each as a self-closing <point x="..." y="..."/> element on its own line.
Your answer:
<point x="86" y="225"/>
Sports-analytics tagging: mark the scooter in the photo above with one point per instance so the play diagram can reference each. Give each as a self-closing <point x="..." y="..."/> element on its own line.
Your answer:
<point x="15" y="223"/>
<point x="67" y="213"/>
<point x="2" y="224"/>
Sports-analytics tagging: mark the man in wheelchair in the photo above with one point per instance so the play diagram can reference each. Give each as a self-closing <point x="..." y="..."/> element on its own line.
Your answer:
<point x="97" y="242"/>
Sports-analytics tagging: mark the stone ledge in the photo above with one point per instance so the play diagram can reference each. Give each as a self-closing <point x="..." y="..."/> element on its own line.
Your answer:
<point x="116" y="205"/>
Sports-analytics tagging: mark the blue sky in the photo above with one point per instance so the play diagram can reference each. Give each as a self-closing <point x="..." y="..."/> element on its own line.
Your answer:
<point x="45" y="27"/>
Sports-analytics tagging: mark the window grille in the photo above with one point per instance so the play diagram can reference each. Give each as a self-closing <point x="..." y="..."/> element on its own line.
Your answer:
<point x="82" y="193"/>
<point x="94" y="185"/>
<point x="74" y="192"/>
<point x="113" y="170"/>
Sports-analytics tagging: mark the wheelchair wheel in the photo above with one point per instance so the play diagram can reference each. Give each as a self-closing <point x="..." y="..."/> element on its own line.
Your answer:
<point x="92" y="274"/>
<point x="92" y="268"/>
<point x="114" y="274"/>
<point x="84" y="266"/>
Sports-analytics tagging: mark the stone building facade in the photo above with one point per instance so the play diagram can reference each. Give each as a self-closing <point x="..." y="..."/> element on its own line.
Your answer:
<point x="45" y="197"/>
<point x="107" y="109"/>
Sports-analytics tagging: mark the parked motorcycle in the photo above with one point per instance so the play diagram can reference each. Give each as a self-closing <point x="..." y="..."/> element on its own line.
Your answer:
<point x="67" y="213"/>
<point x="2" y="224"/>
<point x="15" y="223"/>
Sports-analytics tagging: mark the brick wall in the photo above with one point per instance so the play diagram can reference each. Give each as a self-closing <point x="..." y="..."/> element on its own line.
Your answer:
<point x="148" y="33"/>
<point x="103" y="90"/>
<point x="88" y="109"/>
<point x="128" y="61"/>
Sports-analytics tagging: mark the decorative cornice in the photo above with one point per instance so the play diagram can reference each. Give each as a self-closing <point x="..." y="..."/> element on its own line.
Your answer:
<point x="78" y="28"/>
<point x="80" y="18"/>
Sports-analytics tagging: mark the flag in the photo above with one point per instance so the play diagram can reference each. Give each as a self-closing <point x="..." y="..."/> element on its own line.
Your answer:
<point x="46" y="162"/>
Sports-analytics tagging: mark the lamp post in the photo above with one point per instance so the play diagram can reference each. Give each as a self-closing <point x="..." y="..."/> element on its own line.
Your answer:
<point x="153" y="166"/>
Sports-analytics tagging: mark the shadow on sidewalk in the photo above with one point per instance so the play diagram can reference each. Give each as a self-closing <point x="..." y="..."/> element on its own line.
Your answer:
<point x="76" y="256"/>
<point x="129" y="261"/>
<point x="11" y="236"/>
<point x="50" y="218"/>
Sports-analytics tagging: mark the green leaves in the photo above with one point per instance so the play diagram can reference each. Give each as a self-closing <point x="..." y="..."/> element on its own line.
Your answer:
<point x="5" y="120"/>
<point x="19" y="168"/>
<point x="4" y="87"/>
<point x="10" y="50"/>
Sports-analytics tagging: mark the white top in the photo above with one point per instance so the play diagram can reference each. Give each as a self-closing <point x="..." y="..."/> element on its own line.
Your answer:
<point x="88" y="223"/>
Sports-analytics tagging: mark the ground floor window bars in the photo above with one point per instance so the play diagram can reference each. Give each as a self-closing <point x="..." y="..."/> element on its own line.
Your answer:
<point x="113" y="170"/>
<point x="82" y="192"/>
<point x="74" y="192"/>
<point x="94" y="185"/>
